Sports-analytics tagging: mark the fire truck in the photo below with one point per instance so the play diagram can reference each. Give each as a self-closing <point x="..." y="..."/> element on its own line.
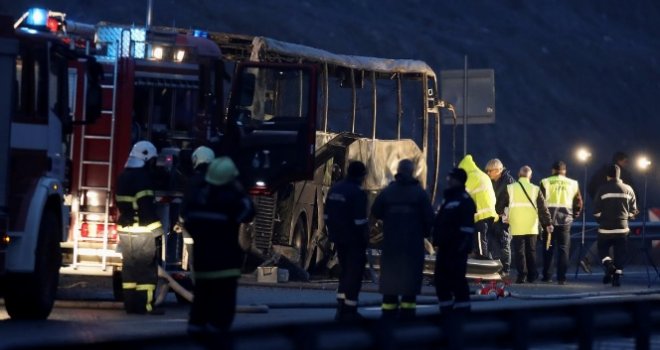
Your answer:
<point x="158" y="84"/>
<point x="34" y="129"/>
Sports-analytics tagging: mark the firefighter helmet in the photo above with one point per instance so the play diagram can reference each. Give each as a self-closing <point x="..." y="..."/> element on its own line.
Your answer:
<point x="202" y="155"/>
<point x="142" y="151"/>
<point x="221" y="171"/>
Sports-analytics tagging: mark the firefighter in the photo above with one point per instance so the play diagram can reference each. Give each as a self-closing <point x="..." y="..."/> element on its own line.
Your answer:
<point x="139" y="228"/>
<point x="565" y="203"/>
<point x="614" y="205"/>
<point x="407" y="215"/>
<point x="480" y="188"/>
<point x="500" y="177"/>
<point x="200" y="158"/>
<point x="526" y="207"/>
<point x="347" y="223"/>
<point x="214" y="210"/>
<point x="453" y="232"/>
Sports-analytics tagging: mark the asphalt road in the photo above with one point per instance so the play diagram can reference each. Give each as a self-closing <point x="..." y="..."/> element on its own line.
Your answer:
<point x="86" y="312"/>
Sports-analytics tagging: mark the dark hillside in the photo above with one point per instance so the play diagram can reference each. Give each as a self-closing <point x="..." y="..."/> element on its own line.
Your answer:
<point x="567" y="72"/>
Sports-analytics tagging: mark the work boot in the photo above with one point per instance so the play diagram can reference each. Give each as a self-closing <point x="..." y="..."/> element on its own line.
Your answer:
<point x="616" y="278"/>
<point x="586" y="265"/>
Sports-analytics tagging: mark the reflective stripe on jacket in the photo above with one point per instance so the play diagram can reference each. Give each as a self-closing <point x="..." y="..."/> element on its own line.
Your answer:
<point x="480" y="188"/>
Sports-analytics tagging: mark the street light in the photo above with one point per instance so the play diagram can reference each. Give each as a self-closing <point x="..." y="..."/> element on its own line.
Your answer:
<point x="643" y="164"/>
<point x="583" y="155"/>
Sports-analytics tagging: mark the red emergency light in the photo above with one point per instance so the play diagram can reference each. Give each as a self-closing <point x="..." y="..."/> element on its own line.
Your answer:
<point x="95" y="230"/>
<point x="53" y="24"/>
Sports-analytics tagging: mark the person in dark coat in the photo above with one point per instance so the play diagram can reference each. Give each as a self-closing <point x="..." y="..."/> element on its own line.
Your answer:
<point x="600" y="177"/>
<point x="139" y="228"/>
<point x="453" y="230"/>
<point x="614" y="205"/>
<point x="407" y="215"/>
<point x="213" y="213"/>
<point x="500" y="177"/>
<point x="345" y="216"/>
<point x="201" y="158"/>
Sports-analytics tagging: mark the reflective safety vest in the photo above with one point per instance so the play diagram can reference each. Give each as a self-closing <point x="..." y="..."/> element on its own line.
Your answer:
<point x="559" y="191"/>
<point x="523" y="216"/>
<point x="481" y="190"/>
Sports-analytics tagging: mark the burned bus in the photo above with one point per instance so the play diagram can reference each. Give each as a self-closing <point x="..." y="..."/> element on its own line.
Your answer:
<point x="301" y="114"/>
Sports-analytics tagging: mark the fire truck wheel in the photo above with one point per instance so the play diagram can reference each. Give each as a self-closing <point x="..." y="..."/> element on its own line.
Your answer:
<point x="31" y="295"/>
<point x="117" y="290"/>
<point x="300" y="242"/>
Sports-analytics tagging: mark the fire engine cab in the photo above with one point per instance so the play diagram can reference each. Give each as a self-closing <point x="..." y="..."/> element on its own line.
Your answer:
<point x="35" y="123"/>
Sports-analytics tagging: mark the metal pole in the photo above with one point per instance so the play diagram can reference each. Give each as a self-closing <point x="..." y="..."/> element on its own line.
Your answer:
<point x="149" y="7"/>
<point x="584" y="205"/>
<point x="465" y="105"/>
<point x="646" y="252"/>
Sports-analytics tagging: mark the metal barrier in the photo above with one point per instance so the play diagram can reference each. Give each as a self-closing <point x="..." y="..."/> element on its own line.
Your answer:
<point x="576" y="323"/>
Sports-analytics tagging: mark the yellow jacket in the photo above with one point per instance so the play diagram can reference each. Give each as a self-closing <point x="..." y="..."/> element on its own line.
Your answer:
<point x="480" y="188"/>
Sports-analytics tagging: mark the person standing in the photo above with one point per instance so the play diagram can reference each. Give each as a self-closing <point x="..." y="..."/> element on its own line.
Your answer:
<point x="564" y="201"/>
<point x="453" y="231"/>
<point x="599" y="178"/>
<point x="500" y="178"/>
<point x="526" y="207"/>
<point x="345" y="216"/>
<point x="138" y="228"/>
<point x="480" y="188"/>
<point x="212" y="215"/>
<point x="614" y="205"/>
<point x="201" y="158"/>
<point x="407" y="215"/>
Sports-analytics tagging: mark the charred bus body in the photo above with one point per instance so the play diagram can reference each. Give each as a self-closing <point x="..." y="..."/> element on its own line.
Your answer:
<point x="302" y="115"/>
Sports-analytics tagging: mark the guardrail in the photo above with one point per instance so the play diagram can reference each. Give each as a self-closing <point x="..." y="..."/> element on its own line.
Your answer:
<point x="577" y="323"/>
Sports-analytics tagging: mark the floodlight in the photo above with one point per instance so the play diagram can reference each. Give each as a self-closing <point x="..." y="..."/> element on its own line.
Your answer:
<point x="643" y="163"/>
<point x="158" y="53"/>
<point x="583" y="154"/>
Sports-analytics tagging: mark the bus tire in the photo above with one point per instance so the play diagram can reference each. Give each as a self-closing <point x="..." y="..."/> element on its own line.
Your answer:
<point x="31" y="296"/>
<point x="300" y="241"/>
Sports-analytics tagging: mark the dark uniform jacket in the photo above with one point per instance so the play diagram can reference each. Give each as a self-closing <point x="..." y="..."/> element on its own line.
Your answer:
<point x="500" y="185"/>
<point x="614" y="205"/>
<point x="600" y="178"/>
<point x="455" y="218"/>
<point x="407" y="215"/>
<point x="346" y="213"/>
<point x="135" y="200"/>
<point x="212" y="216"/>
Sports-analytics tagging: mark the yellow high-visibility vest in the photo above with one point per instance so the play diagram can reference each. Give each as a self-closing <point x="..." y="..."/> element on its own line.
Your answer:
<point x="559" y="191"/>
<point x="523" y="217"/>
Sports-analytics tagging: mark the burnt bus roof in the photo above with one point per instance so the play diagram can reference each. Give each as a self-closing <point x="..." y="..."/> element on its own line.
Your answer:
<point x="268" y="49"/>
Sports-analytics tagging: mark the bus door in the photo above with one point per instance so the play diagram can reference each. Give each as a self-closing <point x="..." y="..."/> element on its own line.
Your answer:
<point x="271" y="124"/>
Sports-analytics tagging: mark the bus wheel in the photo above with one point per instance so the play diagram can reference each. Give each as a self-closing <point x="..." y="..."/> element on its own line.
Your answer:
<point x="32" y="295"/>
<point x="300" y="242"/>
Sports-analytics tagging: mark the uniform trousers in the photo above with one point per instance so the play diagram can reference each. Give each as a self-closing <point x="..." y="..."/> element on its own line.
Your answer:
<point x="450" y="268"/>
<point x="560" y="242"/>
<point x="524" y="248"/>
<point x="139" y="271"/>
<point x="352" y="259"/>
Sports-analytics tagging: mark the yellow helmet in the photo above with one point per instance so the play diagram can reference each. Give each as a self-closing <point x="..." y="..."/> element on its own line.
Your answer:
<point x="221" y="171"/>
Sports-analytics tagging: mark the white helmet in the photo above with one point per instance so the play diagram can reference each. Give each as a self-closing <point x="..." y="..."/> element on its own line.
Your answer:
<point x="202" y="155"/>
<point x="142" y="151"/>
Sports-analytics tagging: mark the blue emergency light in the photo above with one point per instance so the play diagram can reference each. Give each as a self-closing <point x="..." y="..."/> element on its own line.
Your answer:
<point x="200" y="33"/>
<point x="37" y="17"/>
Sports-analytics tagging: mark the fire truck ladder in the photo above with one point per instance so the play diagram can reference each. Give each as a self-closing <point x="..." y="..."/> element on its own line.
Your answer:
<point x="102" y="215"/>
